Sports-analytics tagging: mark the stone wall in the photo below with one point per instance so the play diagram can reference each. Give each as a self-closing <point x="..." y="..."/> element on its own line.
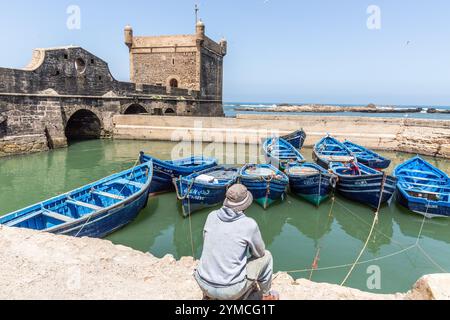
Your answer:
<point x="70" y="91"/>
<point x="24" y="144"/>
<point x="74" y="71"/>
<point x="428" y="137"/>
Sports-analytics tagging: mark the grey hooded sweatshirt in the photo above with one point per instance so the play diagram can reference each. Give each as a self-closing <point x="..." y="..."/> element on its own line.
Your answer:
<point x="229" y="239"/>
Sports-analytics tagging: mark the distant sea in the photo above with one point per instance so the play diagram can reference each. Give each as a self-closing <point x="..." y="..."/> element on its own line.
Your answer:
<point x="230" y="111"/>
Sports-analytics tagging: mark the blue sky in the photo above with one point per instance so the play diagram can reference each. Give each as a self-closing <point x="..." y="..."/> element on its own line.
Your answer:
<point x="317" y="51"/>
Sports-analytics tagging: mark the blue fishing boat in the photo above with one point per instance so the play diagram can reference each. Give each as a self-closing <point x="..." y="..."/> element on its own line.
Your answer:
<point x="279" y="153"/>
<point x="204" y="189"/>
<point x="266" y="183"/>
<point x="363" y="184"/>
<point x="297" y="138"/>
<point x="329" y="150"/>
<point x="368" y="157"/>
<point x="423" y="188"/>
<point x="94" y="210"/>
<point x="310" y="182"/>
<point x="164" y="171"/>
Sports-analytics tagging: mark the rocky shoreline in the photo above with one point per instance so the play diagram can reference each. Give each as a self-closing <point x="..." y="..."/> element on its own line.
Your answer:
<point x="44" y="266"/>
<point x="317" y="108"/>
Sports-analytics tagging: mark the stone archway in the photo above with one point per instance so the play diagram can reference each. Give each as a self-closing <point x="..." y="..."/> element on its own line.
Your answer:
<point x="3" y="126"/>
<point x="169" y="112"/>
<point x="173" y="83"/>
<point x="82" y="125"/>
<point x="135" y="109"/>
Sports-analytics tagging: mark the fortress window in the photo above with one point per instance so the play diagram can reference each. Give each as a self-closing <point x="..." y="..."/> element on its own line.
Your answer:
<point x="173" y="61"/>
<point x="66" y="56"/>
<point x="92" y="61"/>
<point x="174" y="83"/>
<point x="100" y="78"/>
<point x="80" y="65"/>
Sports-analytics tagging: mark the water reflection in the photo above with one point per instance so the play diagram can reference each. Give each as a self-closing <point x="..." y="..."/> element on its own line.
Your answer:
<point x="410" y="225"/>
<point x="356" y="220"/>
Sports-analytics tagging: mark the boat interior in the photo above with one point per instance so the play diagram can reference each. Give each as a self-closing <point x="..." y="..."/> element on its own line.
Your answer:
<point x="306" y="169"/>
<point x="79" y="203"/>
<point x="425" y="183"/>
<point x="260" y="171"/>
<point x="353" y="169"/>
<point x="332" y="148"/>
<point x="282" y="152"/>
<point x="219" y="176"/>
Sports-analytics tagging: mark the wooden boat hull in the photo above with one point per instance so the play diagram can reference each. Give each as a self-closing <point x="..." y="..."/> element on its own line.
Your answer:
<point x="165" y="171"/>
<point x="73" y="213"/>
<point x="375" y="164"/>
<point x="368" y="157"/>
<point x="103" y="224"/>
<point x="320" y="161"/>
<point x="423" y="207"/>
<point x="297" y="139"/>
<point x="423" y="188"/>
<point x="314" y="188"/>
<point x="201" y="195"/>
<point x="366" y="190"/>
<point x="265" y="191"/>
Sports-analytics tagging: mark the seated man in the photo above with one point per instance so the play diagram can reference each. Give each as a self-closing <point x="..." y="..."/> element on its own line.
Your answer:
<point x="234" y="260"/>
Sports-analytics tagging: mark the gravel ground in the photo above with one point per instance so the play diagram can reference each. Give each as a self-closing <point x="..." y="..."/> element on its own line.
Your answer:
<point x="44" y="266"/>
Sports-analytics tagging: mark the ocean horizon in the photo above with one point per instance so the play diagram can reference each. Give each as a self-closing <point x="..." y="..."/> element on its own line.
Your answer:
<point x="230" y="110"/>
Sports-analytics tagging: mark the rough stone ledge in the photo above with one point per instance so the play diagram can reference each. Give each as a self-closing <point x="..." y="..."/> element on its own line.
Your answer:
<point x="24" y="144"/>
<point x="44" y="266"/>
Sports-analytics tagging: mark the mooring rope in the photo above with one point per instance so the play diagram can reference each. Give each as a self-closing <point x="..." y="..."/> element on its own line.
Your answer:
<point x="390" y="255"/>
<point x="431" y="259"/>
<point x="420" y="247"/>
<point x="367" y="224"/>
<point x="190" y="228"/>
<point x="375" y="221"/>
<point x="186" y="196"/>
<point x="350" y="264"/>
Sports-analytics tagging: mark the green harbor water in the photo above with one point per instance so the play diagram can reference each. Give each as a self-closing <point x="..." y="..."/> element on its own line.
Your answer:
<point x="294" y="231"/>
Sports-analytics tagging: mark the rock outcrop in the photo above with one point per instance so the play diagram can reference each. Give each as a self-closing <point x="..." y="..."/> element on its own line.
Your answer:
<point x="44" y="266"/>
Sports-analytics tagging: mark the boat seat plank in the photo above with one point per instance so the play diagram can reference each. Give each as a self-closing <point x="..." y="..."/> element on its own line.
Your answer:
<point x="420" y="178"/>
<point x="84" y="204"/>
<point x="128" y="182"/>
<point x="426" y="192"/>
<point x="420" y="171"/>
<point x="22" y="218"/>
<point x="426" y="185"/>
<point x="57" y="216"/>
<point x="109" y="195"/>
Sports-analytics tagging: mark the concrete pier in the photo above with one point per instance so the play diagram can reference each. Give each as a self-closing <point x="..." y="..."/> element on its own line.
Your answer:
<point x="417" y="136"/>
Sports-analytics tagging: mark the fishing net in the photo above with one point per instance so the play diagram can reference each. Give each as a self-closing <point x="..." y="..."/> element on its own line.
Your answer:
<point x="264" y="172"/>
<point x="302" y="171"/>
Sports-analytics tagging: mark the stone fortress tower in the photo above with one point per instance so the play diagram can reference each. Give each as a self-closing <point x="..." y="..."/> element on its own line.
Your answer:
<point x="68" y="93"/>
<point x="193" y="62"/>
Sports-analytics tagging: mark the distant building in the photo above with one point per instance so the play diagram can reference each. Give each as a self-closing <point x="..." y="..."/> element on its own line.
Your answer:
<point x="179" y="61"/>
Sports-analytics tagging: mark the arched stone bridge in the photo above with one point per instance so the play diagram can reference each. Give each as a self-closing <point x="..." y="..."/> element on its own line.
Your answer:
<point x="68" y="93"/>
